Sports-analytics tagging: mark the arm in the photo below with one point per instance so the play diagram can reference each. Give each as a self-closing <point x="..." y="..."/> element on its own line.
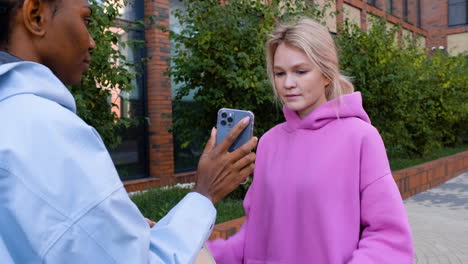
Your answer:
<point x="385" y="235"/>
<point x="82" y="213"/>
<point x="231" y="251"/>
<point x="115" y="232"/>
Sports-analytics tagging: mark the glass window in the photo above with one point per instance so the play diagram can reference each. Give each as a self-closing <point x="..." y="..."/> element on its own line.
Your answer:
<point x="185" y="157"/>
<point x="457" y="12"/>
<point x="372" y="2"/>
<point x="390" y="6"/>
<point x="405" y="10"/>
<point x="133" y="10"/>
<point x="130" y="157"/>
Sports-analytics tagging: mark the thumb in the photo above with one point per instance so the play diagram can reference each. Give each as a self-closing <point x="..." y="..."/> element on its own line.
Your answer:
<point x="210" y="145"/>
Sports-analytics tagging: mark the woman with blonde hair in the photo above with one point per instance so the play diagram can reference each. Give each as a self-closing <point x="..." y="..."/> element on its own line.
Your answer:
<point x="323" y="191"/>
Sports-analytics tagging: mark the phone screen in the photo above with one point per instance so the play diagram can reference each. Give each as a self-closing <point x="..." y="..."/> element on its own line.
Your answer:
<point x="227" y="119"/>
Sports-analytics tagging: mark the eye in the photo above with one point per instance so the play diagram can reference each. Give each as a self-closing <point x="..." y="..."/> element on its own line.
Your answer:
<point x="301" y="72"/>
<point x="279" y="74"/>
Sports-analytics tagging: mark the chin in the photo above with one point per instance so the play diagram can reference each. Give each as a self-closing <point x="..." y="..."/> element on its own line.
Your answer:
<point x="72" y="80"/>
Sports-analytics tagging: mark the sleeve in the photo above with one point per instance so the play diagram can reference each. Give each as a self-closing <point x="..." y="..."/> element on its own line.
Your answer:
<point x="77" y="210"/>
<point x="231" y="250"/>
<point x="116" y="232"/>
<point x="385" y="235"/>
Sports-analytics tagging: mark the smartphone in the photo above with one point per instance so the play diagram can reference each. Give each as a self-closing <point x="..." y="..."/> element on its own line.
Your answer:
<point x="227" y="119"/>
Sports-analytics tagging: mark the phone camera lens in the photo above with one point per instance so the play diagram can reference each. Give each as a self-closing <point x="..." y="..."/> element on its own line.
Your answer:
<point x="223" y="115"/>
<point x="223" y="122"/>
<point x="229" y="119"/>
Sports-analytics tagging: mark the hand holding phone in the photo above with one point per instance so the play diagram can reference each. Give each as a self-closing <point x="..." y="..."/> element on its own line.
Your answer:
<point x="227" y="119"/>
<point x="219" y="171"/>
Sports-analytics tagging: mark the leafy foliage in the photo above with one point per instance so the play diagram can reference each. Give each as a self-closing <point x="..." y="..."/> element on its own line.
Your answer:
<point x="220" y="58"/>
<point x="156" y="203"/>
<point x="109" y="71"/>
<point x="418" y="102"/>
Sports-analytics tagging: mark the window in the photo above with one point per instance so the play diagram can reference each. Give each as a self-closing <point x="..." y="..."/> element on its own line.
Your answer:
<point x="372" y="2"/>
<point x="185" y="157"/>
<point x="419" y="13"/>
<point x="405" y="10"/>
<point x="130" y="157"/>
<point x="457" y="12"/>
<point x="390" y="6"/>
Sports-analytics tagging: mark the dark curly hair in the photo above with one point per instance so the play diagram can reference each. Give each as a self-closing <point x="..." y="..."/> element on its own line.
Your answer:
<point x="8" y="9"/>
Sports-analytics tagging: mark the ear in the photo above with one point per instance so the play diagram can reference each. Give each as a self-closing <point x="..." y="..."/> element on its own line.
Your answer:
<point x="327" y="80"/>
<point x="35" y="15"/>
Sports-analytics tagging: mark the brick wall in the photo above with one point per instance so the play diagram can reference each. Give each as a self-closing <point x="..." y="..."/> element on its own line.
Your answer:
<point x="159" y="97"/>
<point x="434" y="19"/>
<point x="396" y="17"/>
<point x="138" y="185"/>
<point x="425" y="176"/>
<point x="410" y="182"/>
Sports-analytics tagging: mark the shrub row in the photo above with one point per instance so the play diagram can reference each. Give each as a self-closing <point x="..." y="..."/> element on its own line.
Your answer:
<point x="418" y="101"/>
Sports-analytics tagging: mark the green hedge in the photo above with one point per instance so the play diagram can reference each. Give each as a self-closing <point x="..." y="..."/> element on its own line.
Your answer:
<point x="156" y="203"/>
<point x="417" y="101"/>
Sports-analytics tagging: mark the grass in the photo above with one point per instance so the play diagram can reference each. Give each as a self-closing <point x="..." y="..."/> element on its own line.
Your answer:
<point x="155" y="203"/>
<point x="398" y="163"/>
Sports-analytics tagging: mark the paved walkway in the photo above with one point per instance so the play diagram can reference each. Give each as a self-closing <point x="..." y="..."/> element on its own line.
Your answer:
<point x="439" y="221"/>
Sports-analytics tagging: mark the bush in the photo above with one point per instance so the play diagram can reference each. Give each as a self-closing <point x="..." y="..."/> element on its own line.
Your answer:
<point x="156" y="203"/>
<point x="418" y="102"/>
<point x="220" y="58"/>
<point x="109" y="71"/>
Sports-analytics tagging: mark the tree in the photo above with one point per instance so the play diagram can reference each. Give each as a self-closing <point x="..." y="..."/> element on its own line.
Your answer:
<point x="418" y="102"/>
<point x="220" y="59"/>
<point x="109" y="71"/>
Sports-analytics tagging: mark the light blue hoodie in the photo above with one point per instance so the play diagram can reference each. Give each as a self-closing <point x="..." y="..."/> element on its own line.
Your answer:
<point x="61" y="200"/>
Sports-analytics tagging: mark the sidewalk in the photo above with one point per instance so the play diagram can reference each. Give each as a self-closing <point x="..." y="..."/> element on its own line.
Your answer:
<point x="439" y="221"/>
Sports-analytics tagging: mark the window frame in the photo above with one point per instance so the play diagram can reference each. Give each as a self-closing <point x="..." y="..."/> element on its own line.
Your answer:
<point x="390" y="8"/>
<point x="451" y="3"/>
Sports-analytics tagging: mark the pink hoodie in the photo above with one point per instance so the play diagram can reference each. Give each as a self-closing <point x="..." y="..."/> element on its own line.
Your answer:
<point x="323" y="193"/>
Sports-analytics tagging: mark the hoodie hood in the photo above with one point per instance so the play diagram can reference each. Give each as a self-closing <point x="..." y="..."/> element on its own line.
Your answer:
<point x="26" y="77"/>
<point x="346" y="106"/>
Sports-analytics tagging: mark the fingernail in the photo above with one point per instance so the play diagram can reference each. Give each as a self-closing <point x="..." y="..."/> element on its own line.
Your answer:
<point x="213" y="131"/>
<point x="245" y="120"/>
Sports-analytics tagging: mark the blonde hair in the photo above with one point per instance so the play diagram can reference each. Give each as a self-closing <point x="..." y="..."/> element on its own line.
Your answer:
<point x="317" y="43"/>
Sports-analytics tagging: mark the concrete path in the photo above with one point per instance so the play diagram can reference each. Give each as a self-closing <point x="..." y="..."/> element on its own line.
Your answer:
<point x="439" y="221"/>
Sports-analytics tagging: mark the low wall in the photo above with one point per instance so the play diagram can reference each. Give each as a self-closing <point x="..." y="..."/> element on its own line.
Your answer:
<point x="410" y="181"/>
<point x="143" y="184"/>
<point x="422" y="177"/>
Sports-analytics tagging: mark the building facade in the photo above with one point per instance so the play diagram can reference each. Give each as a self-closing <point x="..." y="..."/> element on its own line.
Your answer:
<point x="433" y="24"/>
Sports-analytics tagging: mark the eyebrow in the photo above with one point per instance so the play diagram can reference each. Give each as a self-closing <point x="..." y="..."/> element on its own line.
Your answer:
<point x="304" y="64"/>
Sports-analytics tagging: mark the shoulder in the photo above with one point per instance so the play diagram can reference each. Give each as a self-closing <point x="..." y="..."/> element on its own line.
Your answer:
<point x="55" y="153"/>
<point x="30" y="118"/>
<point x="358" y="129"/>
<point x="271" y="135"/>
<point x="35" y="108"/>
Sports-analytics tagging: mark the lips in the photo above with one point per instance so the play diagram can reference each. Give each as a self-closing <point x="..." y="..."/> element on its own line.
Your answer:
<point x="291" y="96"/>
<point x="86" y="63"/>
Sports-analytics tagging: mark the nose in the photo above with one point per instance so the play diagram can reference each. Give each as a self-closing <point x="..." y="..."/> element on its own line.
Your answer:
<point x="289" y="82"/>
<point x="92" y="43"/>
